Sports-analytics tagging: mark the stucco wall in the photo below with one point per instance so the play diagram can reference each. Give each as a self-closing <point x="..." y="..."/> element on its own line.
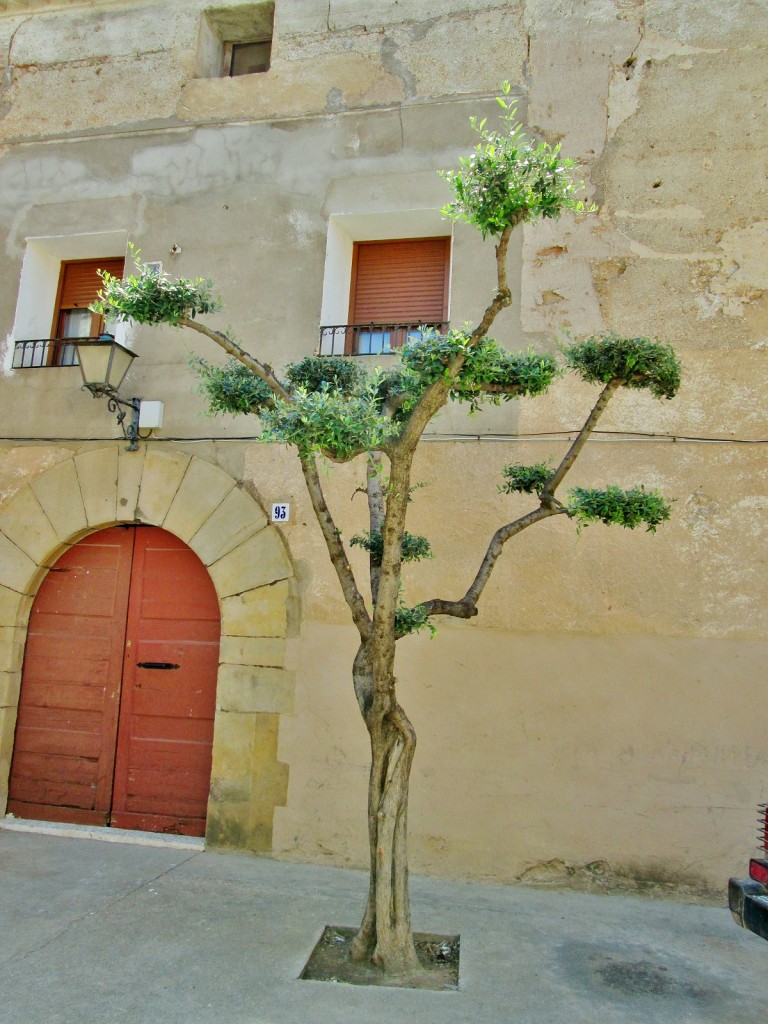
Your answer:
<point x="603" y="704"/>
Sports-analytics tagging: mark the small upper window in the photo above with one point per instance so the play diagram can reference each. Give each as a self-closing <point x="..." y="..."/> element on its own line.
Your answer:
<point x="247" y="58"/>
<point x="236" y="39"/>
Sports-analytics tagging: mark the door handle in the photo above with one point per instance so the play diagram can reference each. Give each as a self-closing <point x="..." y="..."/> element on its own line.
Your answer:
<point x="166" y="665"/>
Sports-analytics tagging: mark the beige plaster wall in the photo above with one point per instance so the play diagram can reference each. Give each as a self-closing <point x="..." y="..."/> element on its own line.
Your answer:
<point x="540" y="746"/>
<point x="607" y="692"/>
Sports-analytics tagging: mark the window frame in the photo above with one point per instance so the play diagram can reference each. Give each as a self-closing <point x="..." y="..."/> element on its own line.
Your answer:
<point x="228" y="61"/>
<point x="397" y="337"/>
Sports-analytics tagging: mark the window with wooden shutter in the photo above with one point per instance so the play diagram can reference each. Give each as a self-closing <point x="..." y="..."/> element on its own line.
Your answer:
<point x="396" y="287"/>
<point x="79" y="286"/>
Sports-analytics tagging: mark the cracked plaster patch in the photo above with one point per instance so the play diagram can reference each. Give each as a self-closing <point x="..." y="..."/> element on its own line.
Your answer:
<point x="700" y="513"/>
<point x="743" y="274"/>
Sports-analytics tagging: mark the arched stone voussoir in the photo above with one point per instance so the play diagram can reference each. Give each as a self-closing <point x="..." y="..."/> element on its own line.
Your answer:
<point x="162" y="476"/>
<point x="237" y="518"/>
<point x="58" y="491"/>
<point x="259" y="561"/>
<point x="26" y="524"/>
<point x="14" y="607"/>
<point x="18" y="571"/>
<point x="201" y="491"/>
<point x="130" y="469"/>
<point x="97" y="475"/>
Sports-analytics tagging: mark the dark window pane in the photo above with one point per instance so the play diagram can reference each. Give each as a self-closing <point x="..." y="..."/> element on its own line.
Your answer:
<point x="250" y="58"/>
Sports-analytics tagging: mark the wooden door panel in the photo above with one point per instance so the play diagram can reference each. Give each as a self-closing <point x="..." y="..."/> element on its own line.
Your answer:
<point x="165" y="791"/>
<point x="100" y="739"/>
<point x="68" y="711"/>
<point x="56" y="784"/>
<point x="163" y="766"/>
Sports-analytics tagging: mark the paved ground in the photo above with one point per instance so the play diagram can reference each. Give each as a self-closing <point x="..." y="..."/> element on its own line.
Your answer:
<point x="106" y="933"/>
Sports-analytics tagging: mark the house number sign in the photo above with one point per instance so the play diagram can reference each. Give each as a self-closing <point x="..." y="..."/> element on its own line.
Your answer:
<point x="281" y="512"/>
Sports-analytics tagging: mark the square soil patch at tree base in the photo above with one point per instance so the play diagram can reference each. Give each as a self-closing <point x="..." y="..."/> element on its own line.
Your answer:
<point x="330" y="961"/>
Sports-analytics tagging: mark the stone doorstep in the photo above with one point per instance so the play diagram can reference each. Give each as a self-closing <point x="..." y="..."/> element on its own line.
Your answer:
<point x="102" y="834"/>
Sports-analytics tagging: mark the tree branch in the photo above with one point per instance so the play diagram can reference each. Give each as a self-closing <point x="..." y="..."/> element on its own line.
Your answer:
<point x="436" y="395"/>
<point x="503" y="296"/>
<point x="610" y="389"/>
<point x="466" y="607"/>
<point x="237" y="352"/>
<point x="336" y="550"/>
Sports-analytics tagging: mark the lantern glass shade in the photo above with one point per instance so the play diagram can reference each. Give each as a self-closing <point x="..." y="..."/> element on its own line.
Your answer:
<point x="103" y="364"/>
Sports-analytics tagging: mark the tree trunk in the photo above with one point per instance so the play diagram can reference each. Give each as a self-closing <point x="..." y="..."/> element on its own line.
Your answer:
<point x="385" y="936"/>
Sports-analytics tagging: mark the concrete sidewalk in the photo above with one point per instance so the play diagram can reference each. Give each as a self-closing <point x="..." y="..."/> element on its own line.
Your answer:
<point x="96" y="933"/>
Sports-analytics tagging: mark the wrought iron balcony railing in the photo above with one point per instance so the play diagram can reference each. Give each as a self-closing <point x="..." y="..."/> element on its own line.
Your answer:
<point x="371" y="339"/>
<point x="46" y="352"/>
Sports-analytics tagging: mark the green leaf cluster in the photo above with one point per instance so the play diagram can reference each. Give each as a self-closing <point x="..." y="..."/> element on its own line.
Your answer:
<point x="509" y="178"/>
<point x="315" y="372"/>
<point x="616" y="507"/>
<point x="411" y="620"/>
<point x="641" y="362"/>
<point x="151" y="298"/>
<point x="413" y="547"/>
<point x="231" y="388"/>
<point x="490" y="373"/>
<point x="520" y="479"/>
<point x="329" y="421"/>
<point x="401" y="388"/>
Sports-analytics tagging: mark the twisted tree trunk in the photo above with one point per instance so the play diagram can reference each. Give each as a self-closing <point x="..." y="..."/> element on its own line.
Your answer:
<point x="385" y="936"/>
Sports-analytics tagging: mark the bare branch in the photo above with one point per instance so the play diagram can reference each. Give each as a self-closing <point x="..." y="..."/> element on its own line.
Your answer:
<point x="466" y="607"/>
<point x="571" y="455"/>
<point x="237" y="352"/>
<point x="503" y="296"/>
<point x="336" y="550"/>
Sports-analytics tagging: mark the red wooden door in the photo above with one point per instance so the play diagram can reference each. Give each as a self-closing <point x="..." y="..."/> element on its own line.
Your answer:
<point x="117" y="701"/>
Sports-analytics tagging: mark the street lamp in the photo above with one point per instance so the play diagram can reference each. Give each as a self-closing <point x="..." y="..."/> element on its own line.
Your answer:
<point x="104" y="363"/>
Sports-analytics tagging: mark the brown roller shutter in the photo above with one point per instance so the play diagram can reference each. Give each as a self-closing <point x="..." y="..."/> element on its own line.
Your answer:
<point x="80" y="281"/>
<point x="79" y="286"/>
<point x="400" y="281"/>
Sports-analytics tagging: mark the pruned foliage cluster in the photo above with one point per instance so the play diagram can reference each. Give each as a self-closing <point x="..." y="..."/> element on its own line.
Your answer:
<point x="330" y="421"/>
<point x="412" y="549"/>
<point x="149" y="297"/>
<point x="231" y="387"/>
<point x="520" y="479"/>
<point x="617" y="507"/>
<point x="315" y="373"/>
<point x="489" y="372"/>
<point x="510" y="177"/>
<point x="638" y="362"/>
<point x="412" y="620"/>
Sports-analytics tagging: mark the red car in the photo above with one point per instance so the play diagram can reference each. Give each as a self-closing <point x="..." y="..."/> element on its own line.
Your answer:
<point x="748" y="897"/>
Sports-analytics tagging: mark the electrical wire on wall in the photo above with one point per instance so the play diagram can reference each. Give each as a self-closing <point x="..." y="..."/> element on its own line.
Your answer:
<point x="610" y="436"/>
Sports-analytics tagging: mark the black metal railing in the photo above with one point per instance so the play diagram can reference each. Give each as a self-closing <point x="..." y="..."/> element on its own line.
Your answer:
<point x="46" y="352"/>
<point x="371" y="339"/>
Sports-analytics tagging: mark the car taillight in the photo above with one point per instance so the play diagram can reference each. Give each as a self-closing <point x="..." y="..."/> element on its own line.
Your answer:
<point x="758" y="870"/>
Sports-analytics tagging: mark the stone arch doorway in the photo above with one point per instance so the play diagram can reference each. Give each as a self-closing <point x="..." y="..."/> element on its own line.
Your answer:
<point x="252" y="574"/>
<point x="118" y="691"/>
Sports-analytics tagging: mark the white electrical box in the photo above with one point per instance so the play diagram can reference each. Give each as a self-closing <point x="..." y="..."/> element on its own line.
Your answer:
<point x="150" y="415"/>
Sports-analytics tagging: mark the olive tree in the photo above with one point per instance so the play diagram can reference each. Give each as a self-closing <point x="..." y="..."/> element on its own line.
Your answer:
<point x="331" y="409"/>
